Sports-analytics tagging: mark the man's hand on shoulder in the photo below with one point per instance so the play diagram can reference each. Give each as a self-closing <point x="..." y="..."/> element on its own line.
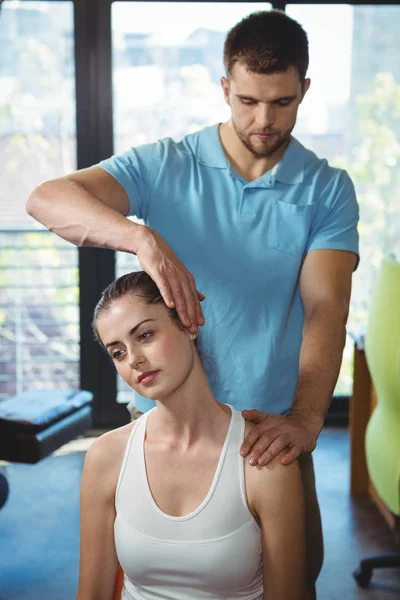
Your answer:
<point x="175" y="282"/>
<point x="273" y="434"/>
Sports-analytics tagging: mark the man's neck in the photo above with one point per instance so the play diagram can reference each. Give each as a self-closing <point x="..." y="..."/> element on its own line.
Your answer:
<point x="241" y="159"/>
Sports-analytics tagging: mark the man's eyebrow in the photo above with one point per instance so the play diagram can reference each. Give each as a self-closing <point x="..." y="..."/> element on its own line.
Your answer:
<point x="282" y="98"/>
<point x="131" y="332"/>
<point x="285" y="98"/>
<point x="244" y="97"/>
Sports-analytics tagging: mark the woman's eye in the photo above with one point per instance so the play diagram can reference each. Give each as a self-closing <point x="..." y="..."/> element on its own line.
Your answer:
<point x="145" y="335"/>
<point x="116" y="355"/>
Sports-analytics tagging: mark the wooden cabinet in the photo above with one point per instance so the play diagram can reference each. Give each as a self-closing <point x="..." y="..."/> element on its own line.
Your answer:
<point x="362" y="404"/>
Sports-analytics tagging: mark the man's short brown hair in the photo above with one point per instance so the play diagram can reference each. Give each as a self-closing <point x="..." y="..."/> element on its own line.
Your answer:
<point x="267" y="42"/>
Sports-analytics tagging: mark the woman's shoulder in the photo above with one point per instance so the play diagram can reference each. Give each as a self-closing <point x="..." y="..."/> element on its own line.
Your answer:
<point x="270" y="483"/>
<point x="105" y="455"/>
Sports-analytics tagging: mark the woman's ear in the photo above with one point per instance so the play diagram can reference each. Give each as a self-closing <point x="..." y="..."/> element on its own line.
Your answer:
<point x="192" y="336"/>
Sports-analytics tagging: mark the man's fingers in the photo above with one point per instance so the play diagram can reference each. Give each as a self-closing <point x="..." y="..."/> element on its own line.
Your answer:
<point x="186" y="300"/>
<point x="252" y="437"/>
<point x="194" y="308"/>
<point x="255" y="416"/>
<point x="180" y="301"/>
<point x="269" y="453"/>
<point x="200" y="317"/>
<point x="176" y="284"/>
<point x="268" y="446"/>
<point x="183" y="299"/>
<point x="292" y="455"/>
<point x="165" y="289"/>
<point x="190" y="296"/>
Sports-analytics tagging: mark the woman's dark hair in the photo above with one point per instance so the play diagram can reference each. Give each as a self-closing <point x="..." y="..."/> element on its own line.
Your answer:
<point x="141" y="285"/>
<point x="267" y="42"/>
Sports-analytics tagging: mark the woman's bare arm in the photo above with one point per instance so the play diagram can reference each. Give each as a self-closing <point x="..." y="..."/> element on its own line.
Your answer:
<point x="98" y="559"/>
<point x="278" y="500"/>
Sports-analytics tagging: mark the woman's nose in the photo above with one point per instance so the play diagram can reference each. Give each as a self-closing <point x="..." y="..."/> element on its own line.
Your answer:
<point x="135" y="359"/>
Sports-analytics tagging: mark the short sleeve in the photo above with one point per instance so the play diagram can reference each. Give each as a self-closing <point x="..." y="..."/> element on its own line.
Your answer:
<point x="134" y="170"/>
<point x="335" y="223"/>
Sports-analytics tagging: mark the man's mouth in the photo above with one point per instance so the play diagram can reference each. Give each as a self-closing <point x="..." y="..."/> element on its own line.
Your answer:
<point x="264" y="136"/>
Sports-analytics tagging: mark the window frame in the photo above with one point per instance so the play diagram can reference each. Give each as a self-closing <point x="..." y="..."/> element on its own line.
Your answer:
<point x="94" y="130"/>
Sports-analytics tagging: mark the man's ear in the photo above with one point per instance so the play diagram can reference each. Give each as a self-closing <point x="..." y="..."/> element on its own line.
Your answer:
<point x="225" y="89"/>
<point x="306" y="87"/>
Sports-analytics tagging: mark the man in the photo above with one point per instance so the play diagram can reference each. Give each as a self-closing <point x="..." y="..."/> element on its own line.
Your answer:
<point x="267" y="231"/>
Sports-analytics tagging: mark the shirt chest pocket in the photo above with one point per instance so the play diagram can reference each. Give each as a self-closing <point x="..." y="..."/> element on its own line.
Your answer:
<point x="289" y="226"/>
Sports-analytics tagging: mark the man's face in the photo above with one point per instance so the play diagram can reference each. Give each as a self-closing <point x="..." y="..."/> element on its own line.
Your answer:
<point x="264" y="107"/>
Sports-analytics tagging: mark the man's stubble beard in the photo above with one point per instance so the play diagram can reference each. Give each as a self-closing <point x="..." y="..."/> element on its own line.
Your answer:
<point x="281" y="141"/>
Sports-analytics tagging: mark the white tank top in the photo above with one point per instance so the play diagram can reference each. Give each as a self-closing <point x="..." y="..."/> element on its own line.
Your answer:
<point x="213" y="553"/>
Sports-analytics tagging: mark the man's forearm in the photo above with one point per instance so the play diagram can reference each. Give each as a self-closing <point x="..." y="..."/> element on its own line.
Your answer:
<point x="324" y="337"/>
<point x="69" y="210"/>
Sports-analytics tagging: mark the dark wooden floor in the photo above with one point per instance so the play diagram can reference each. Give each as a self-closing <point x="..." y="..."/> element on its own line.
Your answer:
<point x="39" y="528"/>
<point x="353" y="529"/>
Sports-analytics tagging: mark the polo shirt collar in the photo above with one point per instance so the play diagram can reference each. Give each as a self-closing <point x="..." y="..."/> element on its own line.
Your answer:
<point x="290" y="168"/>
<point x="209" y="150"/>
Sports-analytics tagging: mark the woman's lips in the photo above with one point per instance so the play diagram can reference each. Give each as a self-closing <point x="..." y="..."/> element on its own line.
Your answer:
<point x="148" y="377"/>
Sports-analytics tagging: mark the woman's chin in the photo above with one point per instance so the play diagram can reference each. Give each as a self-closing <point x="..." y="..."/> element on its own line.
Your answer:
<point x="156" y="391"/>
<point x="150" y="394"/>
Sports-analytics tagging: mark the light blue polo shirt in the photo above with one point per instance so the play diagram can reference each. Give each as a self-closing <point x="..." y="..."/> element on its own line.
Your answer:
<point x="245" y="243"/>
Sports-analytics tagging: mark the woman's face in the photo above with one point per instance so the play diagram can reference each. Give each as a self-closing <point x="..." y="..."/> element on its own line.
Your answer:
<point x="143" y="339"/>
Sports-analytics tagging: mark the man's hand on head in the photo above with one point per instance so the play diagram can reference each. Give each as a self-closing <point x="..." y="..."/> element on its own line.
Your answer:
<point x="176" y="284"/>
<point x="275" y="433"/>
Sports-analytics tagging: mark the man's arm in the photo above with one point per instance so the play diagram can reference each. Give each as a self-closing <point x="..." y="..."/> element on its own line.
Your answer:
<point x="325" y="286"/>
<point x="88" y="208"/>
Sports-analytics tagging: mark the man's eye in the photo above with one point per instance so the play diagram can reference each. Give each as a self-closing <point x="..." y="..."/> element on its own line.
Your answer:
<point x="284" y="103"/>
<point x="247" y="101"/>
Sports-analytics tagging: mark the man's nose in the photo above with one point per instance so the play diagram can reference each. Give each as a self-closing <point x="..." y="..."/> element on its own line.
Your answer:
<point x="265" y="115"/>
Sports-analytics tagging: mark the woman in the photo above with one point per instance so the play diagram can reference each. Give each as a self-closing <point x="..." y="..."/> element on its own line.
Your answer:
<point x="169" y="496"/>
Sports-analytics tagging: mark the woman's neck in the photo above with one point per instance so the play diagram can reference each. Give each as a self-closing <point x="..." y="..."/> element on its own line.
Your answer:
<point x="188" y="415"/>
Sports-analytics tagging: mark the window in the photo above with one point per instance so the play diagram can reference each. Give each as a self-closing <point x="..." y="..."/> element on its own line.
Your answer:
<point x="39" y="327"/>
<point x="351" y="117"/>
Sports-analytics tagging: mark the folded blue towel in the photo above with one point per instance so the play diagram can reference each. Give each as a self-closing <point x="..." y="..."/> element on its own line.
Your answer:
<point x="40" y="408"/>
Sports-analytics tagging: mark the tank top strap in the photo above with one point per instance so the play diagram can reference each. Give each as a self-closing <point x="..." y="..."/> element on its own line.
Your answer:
<point x="133" y="447"/>
<point x="231" y="489"/>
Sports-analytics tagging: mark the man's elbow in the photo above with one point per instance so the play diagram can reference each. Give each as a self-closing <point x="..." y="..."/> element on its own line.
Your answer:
<point x="341" y="309"/>
<point x="36" y="203"/>
<point x="332" y="308"/>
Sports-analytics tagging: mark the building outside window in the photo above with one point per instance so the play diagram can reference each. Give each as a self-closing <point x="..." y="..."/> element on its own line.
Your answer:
<point x="39" y="328"/>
